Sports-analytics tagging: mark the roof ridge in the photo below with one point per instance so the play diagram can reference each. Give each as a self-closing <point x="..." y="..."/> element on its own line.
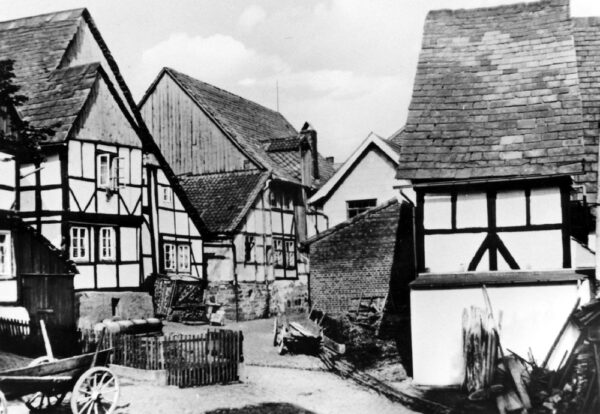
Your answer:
<point x="517" y="7"/>
<point x="68" y="14"/>
<point x="351" y="221"/>
<point x="176" y="72"/>
<point x="237" y="172"/>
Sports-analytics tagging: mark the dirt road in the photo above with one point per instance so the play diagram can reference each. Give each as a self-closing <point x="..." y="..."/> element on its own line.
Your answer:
<point x="269" y="390"/>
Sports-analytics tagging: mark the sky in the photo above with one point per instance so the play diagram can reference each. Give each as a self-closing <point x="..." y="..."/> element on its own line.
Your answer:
<point x="345" y="66"/>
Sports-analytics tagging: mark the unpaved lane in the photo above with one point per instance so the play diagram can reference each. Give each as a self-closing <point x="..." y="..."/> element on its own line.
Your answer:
<point x="314" y="391"/>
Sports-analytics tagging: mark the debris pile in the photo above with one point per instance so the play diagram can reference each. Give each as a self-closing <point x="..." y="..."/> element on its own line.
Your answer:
<point x="519" y="384"/>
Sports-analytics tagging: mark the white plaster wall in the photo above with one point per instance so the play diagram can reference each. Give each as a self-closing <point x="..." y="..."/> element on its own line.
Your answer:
<point x="532" y="316"/>
<point x="372" y="177"/>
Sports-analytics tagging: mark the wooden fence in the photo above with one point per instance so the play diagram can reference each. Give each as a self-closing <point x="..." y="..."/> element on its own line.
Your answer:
<point x="25" y="338"/>
<point x="190" y="360"/>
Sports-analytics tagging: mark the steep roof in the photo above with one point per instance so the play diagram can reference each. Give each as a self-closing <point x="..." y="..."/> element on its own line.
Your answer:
<point x="587" y="45"/>
<point x="261" y="133"/>
<point x="41" y="47"/>
<point x="223" y="199"/>
<point x="387" y="147"/>
<point x="497" y="93"/>
<point x="285" y="152"/>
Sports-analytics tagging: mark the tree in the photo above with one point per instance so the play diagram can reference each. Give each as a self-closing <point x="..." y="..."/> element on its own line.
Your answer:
<point x="22" y="135"/>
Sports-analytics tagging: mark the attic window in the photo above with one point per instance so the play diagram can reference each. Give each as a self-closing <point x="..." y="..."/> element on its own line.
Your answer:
<point x="111" y="171"/>
<point x="355" y="207"/>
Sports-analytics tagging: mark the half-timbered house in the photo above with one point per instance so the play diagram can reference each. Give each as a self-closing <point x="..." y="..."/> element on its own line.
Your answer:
<point x="249" y="173"/>
<point x="501" y="147"/>
<point x="102" y="193"/>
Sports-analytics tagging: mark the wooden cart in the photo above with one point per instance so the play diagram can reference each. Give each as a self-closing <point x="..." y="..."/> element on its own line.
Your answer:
<point x="45" y="382"/>
<point x="295" y="338"/>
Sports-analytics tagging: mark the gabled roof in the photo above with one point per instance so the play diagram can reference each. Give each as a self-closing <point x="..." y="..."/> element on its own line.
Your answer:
<point x="497" y="93"/>
<point x="259" y="132"/>
<point x="41" y="47"/>
<point x="389" y="148"/>
<point x="223" y="199"/>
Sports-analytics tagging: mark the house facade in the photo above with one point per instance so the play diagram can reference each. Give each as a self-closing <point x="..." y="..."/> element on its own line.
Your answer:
<point x="102" y="193"/>
<point x="501" y="151"/>
<point x="365" y="180"/>
<point x="249" y="174"/>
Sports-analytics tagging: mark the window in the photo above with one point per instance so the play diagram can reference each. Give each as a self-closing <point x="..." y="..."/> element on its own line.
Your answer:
<point x="290" y="254"/>
<point x="355" y="207"/>
<point x="183" y="258"/>
<point x="285" y="253"/>
<point x="250" y="249"/>
<point x="169" y="257"/>
<point x="112" y="171"/>
<point x="176" y="257"/>
<point x="79" y="244"/>
<point x="166" y="196"/>
<point x="278" y="247"/>
<point x="104" y="175"/>
<point x="5" y="254"/>
<point x="107" y="243"/>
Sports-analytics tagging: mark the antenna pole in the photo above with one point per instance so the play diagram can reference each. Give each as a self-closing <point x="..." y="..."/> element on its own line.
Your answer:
<point x="277" y="91"/>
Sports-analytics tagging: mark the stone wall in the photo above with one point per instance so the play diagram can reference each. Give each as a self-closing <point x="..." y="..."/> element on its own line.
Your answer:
<point x="257" y="300"/>
<point x="92" y="307"/>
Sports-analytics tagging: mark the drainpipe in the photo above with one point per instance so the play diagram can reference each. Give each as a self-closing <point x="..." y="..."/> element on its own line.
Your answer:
<point x="235" y="281"/>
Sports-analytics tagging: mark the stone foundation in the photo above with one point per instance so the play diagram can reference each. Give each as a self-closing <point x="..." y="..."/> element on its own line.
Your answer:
<point x="92" y="307"/>
<point x="257" y="300"/>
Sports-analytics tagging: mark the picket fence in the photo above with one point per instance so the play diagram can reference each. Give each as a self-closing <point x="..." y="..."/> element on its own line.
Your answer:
<point x="212" y="357"/>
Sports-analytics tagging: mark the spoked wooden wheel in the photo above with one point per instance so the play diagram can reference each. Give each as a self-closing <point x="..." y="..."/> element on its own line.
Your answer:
<point x="41" y="401"/>
<point x="96" y="391"/>
<point x="3" y="404"/>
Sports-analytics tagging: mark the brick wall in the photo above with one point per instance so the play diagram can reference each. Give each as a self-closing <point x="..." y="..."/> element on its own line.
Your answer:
<point x="362" y="257"/>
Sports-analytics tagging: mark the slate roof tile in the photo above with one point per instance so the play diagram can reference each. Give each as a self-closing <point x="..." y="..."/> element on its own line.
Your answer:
<point x="504" y="87"/>
<point x="222" y="199"/>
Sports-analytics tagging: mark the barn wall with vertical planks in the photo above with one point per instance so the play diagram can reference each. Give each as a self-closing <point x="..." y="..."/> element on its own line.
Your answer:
<point x="188" y="138"/>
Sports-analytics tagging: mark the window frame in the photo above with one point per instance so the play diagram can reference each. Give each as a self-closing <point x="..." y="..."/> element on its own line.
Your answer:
<point x="165" y="191"/>
<point x="112" y="244"/>
<point x="249" y="248"/>
<point x="116" y="174"/>
<point x="77" y="247"/>
<point x="285" y="253"/>
<point x="355" y="211"/>
<point x="6" y="255"/>
<point x="177" y="247"/>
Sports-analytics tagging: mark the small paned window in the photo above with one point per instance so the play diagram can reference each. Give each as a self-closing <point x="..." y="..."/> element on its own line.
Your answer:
<point x="79" y="243"/>
<point x="278" y="249"/>
<point x="183" y="258"/>
<point x="170" y="262"/>
<point x="166" y="196"/>
<point x="107" y="243"/>
<point x="5" y="254"/>
<point x="290" y="254"/>
<point x="355" y="207"/>
<point x="112" y="171"/>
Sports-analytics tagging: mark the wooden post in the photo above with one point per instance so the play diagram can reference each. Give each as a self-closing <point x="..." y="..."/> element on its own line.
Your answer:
<point x="47" y="344"/>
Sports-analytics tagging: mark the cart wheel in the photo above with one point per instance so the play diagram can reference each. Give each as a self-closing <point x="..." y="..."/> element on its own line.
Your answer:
<point x="3" y="405"/>
<point x="275" y="332"/>
<point x="96" y="391"/>
<point x="41" y="401"/>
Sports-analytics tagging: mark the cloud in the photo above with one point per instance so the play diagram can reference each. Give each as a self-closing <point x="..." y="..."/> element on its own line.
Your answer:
<point x="252" y="16"/>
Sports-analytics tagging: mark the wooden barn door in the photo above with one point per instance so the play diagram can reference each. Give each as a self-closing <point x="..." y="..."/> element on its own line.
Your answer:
<point x="51" y="298"/>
